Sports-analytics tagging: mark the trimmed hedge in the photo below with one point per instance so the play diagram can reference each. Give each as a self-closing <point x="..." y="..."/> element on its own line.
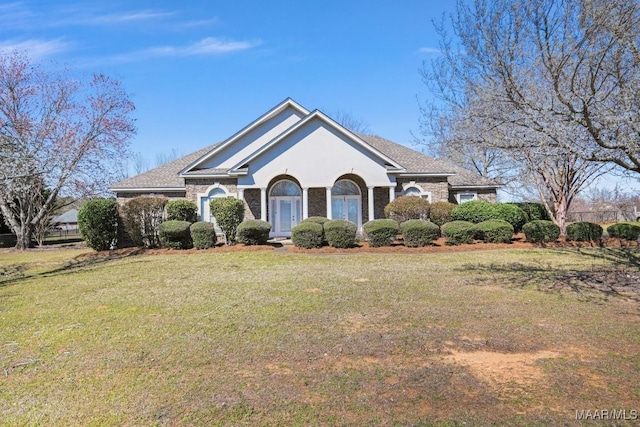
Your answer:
<point x="418" y="232"/>
<point x="203" y="235"/>
<point x="477" y="211"/>
<point x="534" y="211"/>
<point x="318" y="220"/>
<point x="229" y="213"/>
<point x="495" y="231"/>
<point x="441" y="212"/>
<point x="541" y="231"/>
<point x="308" y="234"/>
<point x="624" y="230"/>
<point x="254" y="232"/>
<point x="182" y="210"/>
<point x="584" y="232"/>
<point x="176" y="234"/>
<point x="407" y="207"/>
<point x="459" y="232"/>
<point x="381" y="232"/>
<point x="98" y="223"/>
<point x="142" y="217"/>
<point x="340" y="233"/>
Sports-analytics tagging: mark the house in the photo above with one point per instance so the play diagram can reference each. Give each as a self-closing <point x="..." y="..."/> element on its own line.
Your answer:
<point x="292" y="163"/>
<point x="68" y="221"/>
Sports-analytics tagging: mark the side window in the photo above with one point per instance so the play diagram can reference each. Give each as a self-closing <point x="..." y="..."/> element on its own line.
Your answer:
<point x="467" y="197"/>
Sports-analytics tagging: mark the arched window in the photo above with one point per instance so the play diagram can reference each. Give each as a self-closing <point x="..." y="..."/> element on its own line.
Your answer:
<point x="345" y="188"/>
<point x="413" y="191"/>
<point x="214" y="193"/>
<point x="285" y="188"/>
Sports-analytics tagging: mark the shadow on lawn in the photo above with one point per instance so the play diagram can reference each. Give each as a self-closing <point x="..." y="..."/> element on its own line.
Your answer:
<point x="16" y="273"/>
<point x="619" y="279"/>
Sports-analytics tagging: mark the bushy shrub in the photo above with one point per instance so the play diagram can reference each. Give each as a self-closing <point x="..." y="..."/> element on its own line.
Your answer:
<point x="495" y="231"/>
<point x="441" y="212"/>
<point x="318" y="220"/>
<point x="182" y="210"/>
<point x="624" y="230"/>
<point x="229" y="213"/>
<point x="381" y="232"/>
<point x="142" y="217"/>
<point x="534" y="211"/>
<point x="98" y="223"/>
<point x="203" y="235"/>
<point x="584" y="232"/>
<point x="459" y="232"/>
<point x="340" y="233"/>
<point x="254" y="232"/>
<point x="176" y="234"/>
<point x="407" y="207"/>
<point x="308" y="234"/>
<point x="477" y="211"/>
<point x="541" y="231"/>
<point x="418" y="232"/>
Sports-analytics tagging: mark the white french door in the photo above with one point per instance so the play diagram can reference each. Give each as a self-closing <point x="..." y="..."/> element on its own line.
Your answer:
<point x="347" y="207"/>
<point x="286" y="212"/>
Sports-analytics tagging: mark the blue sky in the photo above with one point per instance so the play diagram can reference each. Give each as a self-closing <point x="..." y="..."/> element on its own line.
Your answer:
<point x="200" y="71"/>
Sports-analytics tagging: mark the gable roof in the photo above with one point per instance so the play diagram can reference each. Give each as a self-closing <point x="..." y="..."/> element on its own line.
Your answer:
<point x="317" y="114"/>
<point x="287" y="103"/>
<point x="400" y="160"/>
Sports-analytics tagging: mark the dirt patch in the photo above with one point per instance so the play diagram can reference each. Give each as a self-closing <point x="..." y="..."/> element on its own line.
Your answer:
<point x="503" y="369"/>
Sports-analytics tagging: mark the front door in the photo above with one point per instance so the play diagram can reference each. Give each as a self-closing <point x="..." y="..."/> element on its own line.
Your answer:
<point x="346" y="207"/>
<point x="286" y="211"/>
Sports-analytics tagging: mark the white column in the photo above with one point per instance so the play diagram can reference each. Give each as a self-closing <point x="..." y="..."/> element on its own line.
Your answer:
<point x="263" y="204"/>
<point x="371" y="204"/>
<point x="329" y="203"/>
<point x="240" y="193"/>
<point x="392" y="193"/>
<point x="305" y="202"/>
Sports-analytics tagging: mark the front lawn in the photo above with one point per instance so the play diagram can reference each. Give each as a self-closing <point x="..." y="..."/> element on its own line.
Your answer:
<point x="516" y="336"/>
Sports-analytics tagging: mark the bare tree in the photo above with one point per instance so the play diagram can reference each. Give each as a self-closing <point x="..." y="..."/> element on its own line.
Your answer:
<point x="57" y="132"/>
<point x="507" y="79"/>
<point x="354" y="124"/>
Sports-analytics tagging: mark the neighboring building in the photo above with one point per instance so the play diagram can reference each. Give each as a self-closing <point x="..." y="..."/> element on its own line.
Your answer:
<point x="68" y="221"/>
<point x="291" y="163"/>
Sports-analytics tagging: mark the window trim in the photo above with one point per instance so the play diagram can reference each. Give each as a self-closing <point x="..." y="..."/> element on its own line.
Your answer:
<point x="412" y="184"/>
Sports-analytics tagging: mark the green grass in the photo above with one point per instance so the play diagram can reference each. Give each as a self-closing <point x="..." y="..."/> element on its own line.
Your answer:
<point x="267" y="338"/>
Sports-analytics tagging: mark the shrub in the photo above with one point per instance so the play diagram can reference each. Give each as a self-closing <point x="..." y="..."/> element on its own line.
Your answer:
<point x="142" y="218"/>
<point x="441" y="212"/>
<point x="182" y="210"/>
<point x="254" y="232"/>
<point x="407" y="207"/>
<point x="534" y="211"/>
<point x="584" y="232"/>
<point x="495" y="231"/>
<point x="176" y="234"/>
<point x="203" y="235"/>
<point x="318" y="220"/>
<point x="477" y="211"/>
<point x="340" y="233"/>
<point x="308" y="234"/>
<point x="381" y="232"/>
<point x="624" y="230"/>
<point x="418" y="232"/>
<point x="229" y="213"/>
<point x="459" y="232"/>
<point x="540" y="231"/>
<point x="98" y="223"/>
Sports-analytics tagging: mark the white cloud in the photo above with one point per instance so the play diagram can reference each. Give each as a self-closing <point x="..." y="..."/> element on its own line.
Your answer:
<point x="207" y="46"/>
<point x="123" y="18"/>
<point x="429" y="50"/>
<point x="36" y="49"/>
